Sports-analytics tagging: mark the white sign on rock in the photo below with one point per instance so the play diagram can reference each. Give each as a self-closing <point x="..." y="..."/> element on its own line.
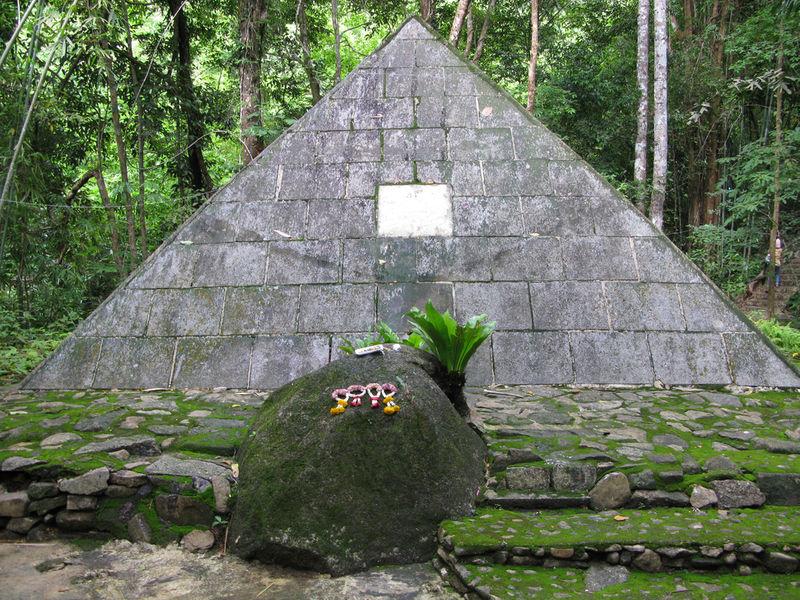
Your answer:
<point x="414" y="211"/>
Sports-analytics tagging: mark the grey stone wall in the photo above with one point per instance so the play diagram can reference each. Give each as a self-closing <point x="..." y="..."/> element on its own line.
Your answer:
<point x="261" y="283"/>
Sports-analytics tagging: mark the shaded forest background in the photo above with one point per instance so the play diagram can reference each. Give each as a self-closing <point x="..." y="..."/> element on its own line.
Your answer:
<point x="133" y="112"/>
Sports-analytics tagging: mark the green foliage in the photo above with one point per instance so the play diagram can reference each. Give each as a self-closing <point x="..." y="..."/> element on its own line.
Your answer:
<point x="22" y="348"/>
<point x="442" y="336"/>
<point x="785" y="337"/>
<point x="383" y="335"/>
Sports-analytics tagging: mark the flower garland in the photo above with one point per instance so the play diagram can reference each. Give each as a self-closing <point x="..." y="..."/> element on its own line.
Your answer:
<point x="378" y="393"/>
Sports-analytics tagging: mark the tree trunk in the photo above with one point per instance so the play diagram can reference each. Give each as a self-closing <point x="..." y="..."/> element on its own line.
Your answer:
<point x="139" y="134"/>
<point x="122" y="153"/>
<point x="660" y="114"/>
<point x="719" y="16"/>
<point x="484" y="31"/>
<point x="470" y="32"/>
<point x="426" y="10"/>
<point x="776" y="198"/>
<point x="308" y="66"/>
<point x="534" y="56"/>
<point x="337" y="41"/>
<point x="199" y="178"/>
<point x="642" y="81"/>
<point x="252" y="14"/>
<point x="116" y="252"/>
<point x="458" y="21"/>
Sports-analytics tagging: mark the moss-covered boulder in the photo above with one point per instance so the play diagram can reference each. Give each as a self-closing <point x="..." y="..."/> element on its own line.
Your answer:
<point x="341" y="493"/>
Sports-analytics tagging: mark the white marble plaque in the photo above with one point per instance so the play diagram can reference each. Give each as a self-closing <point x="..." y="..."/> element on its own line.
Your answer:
<point x="414" y="211"/>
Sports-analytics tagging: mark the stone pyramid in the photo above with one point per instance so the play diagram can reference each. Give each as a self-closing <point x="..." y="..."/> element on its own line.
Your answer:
<point x="415" y="178"/>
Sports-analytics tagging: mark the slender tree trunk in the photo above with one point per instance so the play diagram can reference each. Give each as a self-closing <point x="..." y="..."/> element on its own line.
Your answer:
<point x="719" y="16"/>
<point x="252" y="15"/>
<point x="426" y="10"/>
<point x="139" y="134"/>
<point x="308" y="66"/>
<point x="119" y="138"/>
<point x="337" y="41"/>
<point x="198" y="171"/>
<point x="660" y="115"/>
<point x="534" y="56"/>
<point x="458" y="21"/>
<point x="470" y="32"/>
<point x="776" y="198"/>
<point x="642" y="81"/>
<point x="484" y="31"/>
<point x="116" y="252"/>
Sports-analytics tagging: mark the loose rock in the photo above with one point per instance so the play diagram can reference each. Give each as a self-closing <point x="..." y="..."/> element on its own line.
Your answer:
<point x="612" y="491"/>
<point x="198" y="541"/>
<point x="89" y="483"/>
<point x="733" y="493"/>
<point x="702" y="497"/>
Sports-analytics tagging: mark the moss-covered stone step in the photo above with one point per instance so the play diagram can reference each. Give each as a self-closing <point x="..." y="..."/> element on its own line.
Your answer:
<point x="509" y="582"/>
<point x="649" y="540"/>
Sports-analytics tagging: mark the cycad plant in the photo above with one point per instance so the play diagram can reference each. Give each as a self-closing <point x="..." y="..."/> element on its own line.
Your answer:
<point x="451" y="343"/>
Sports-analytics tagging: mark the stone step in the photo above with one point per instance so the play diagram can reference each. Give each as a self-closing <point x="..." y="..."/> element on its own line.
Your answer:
<point x="648" y="540"/>
<point x="612" y="583"/>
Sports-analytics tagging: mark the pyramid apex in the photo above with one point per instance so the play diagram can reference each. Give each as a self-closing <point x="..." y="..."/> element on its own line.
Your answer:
<point x="415" y="29"/>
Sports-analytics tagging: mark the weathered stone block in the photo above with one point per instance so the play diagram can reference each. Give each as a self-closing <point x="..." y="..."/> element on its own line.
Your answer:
<point x="611" y="357"/>
<point x="73" y="520"/>
<point x="277" y="360"/>
<point x="528" y="478"/>
<point x="496" y="110"/>
<point x="399" y="54"/>
<point x="72" y="365"/>
<point x="479" y="144"/>
<point x="183" y="510"/>
<point x="429" y="111"/>
<point x="302" y="182"/>
<point x="464" y="177"/>
<point x="172" y="267"/>
<point x="706" y="311"/>
<point x="363" y="179"/>
<point x="534" y="357"/>
<point x="683" y="358"/>
<point x="134" y="363"/>
<point x="13" y="504"/>
<point x="256" y="183"/>
<point x="210" y="362"/>
<point x="434" y="53"/>
<point x="243" y="263"/>
<point x="659" y="261"/>
<point x="88" y="484"/>
<point x="414" y="144"/>
<point x="780" y="488"/>
<point x="574" y="477"/>
<point x="329" y="115"/>
<point x="348" y="146"/>
<point x="186" y="312"/>
<point x="754" y="363"/>
<point x="516" y="177"/>
<point x="530" y="259"/>
<point x="123" y="314"/>
<point x="339" y="219"/>
<point x="532" y="141"/>
<point x="361" y="83"/>
<point x="487" y="216"/>
<point x="408" y="82"/>
<point x="384" y="113"/>
<point x="508" y="304"/>
<point x="337" y="308"/>
<point x="214" y="224"/>
<point x="263" y="221"/>
<point x="480" y="369"/>
<point x="395" y="300"/>
<point x="452" y="259"/>
<point x="614" y="216"/>
<point x="546" y="215"/>
<point x="559" y="305"/>
<point x="574" y="178"/>
<point x="592" y="258"/>
<point x="379" y="260"/>
<point x="460" y="81"/>
<point x="648" y="306"/>
<point x="733" y="493"/>
<point x="261" y="310"/>
<point x="304" y="262"/>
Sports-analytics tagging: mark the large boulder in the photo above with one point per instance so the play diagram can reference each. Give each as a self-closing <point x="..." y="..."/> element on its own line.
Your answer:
<point x="341" y="493"/>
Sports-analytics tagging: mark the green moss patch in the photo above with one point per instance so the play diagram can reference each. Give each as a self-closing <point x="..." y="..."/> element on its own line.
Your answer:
<point x="534" y="582"/>
<point x="493" y="528"/>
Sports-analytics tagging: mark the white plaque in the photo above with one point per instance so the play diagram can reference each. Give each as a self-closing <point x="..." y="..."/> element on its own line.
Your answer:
<point x="414" y="211"/>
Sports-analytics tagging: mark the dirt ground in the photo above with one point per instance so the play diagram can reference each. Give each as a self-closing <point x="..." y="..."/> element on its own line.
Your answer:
<point x="120" y="570"/>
